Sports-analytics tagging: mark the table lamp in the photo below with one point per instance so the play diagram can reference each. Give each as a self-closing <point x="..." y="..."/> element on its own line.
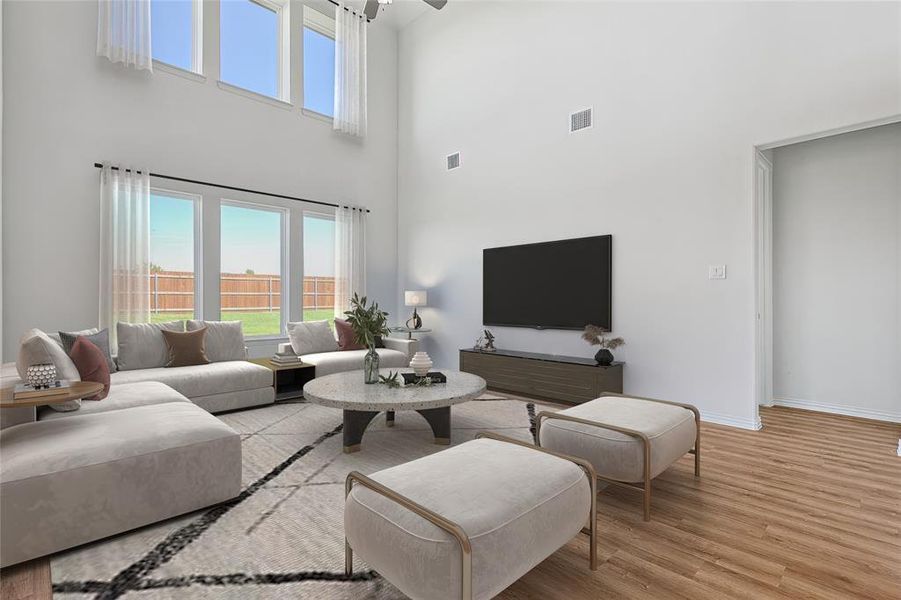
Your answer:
<point x="415" y="298"/>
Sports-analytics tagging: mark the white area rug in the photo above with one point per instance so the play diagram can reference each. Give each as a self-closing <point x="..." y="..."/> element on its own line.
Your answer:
<point x="283" y="536"/>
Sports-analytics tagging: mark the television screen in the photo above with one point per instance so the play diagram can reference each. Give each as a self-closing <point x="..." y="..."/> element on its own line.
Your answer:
<point x="564" y="284"/>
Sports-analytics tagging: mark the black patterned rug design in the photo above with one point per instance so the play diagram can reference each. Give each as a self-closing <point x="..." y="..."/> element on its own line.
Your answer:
<point x="282" y="537"/>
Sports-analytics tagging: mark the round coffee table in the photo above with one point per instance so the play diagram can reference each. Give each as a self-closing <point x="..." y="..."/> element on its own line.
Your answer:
<point x="361" y="402"/>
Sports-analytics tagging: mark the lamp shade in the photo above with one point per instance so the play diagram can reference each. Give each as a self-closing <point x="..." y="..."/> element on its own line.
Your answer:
<point x="416" y="298"/>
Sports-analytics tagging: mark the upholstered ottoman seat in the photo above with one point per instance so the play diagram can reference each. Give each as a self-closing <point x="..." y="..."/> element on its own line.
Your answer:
<point x="66" y="482"/>
<point x="627" y="439"/>
<point x="507" y="505"/>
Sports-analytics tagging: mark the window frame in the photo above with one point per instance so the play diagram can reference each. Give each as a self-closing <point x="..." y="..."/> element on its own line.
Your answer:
<point x="324" y="25"/>
<point x="282" y="10"/>
<point x="285" y="275"/>
<point x="197" y="200"/>
<point x="196" y="44"/>
<point x="316" y="214"/>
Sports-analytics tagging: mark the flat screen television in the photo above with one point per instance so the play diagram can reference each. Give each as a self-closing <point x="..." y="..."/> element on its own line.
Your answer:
<point x="564" y="284"/>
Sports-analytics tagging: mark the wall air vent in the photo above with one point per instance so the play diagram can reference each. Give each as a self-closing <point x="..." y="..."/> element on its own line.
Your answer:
<point x="453" y="161"/>
<point x="580" y="120"/>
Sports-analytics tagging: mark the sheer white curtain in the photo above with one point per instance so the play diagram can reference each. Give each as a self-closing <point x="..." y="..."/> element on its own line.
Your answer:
<point x="123" y="32"/>
<point x="350" y="256"/>
<point x="350" y="72"/>
<point x="124" y="247"/>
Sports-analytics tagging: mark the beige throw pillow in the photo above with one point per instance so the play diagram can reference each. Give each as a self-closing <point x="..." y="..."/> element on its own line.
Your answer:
<point x="311" y="337"/>
<point x="224" y="339"/>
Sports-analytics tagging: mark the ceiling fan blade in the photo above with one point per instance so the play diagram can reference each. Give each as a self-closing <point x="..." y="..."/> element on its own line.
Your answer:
<point x="371" y="10"/>
<point x="438" y="4"/>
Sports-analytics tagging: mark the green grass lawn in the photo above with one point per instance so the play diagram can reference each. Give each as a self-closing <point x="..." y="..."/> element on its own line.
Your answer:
<point x="255" y="323"/>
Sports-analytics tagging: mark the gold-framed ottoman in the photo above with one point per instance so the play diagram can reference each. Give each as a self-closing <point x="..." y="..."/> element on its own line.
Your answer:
<point x="629" y="440"/>
<point x="469" y="521"/>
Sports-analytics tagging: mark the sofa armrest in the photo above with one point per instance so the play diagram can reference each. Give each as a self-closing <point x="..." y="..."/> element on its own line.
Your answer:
<point x="286" y="347"/>
<point x="408" y="347"/>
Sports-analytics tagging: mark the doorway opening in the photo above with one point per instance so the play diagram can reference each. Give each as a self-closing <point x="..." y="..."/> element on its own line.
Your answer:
<point x="827" y="218"/>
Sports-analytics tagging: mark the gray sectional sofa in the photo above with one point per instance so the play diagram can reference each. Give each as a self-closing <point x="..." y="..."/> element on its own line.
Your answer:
<point x="149" y="451"/>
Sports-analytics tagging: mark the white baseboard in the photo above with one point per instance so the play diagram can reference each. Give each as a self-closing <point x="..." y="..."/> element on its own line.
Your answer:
<point x="864" y="413"/>
<point x="709" y="417"/>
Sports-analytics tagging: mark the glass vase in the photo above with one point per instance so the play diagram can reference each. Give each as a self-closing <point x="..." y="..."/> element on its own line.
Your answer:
<point x="371" y="366"/>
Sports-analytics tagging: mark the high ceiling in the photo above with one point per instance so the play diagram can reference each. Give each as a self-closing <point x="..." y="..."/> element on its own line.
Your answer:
<point x="399" y="13"/>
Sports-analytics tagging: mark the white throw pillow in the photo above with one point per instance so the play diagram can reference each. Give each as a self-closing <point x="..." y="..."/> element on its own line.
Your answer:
<point x="142" y="346"/>
<point x="224" y="340"/>
<point x="37" y="348"/>
<point x="311" y="337"/>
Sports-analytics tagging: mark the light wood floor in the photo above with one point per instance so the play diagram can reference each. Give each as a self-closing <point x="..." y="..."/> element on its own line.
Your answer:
<point x="809" y="507"/>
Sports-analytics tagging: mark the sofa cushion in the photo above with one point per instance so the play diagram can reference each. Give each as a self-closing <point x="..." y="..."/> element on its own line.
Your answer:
<point x="186" y="348"/>
<point x="98" y="338"/>
<point x="70" y="481"/>
<point x="224" y="339"/>
<point x="670" y="429"/>
<point x="311" y="337"/>
<point x="91" y="364"/>
<point x="347" y="339"/>
<point x="516" y="505"/>
<point x="202" y="380"/>
<point x="141" y="345"/>
<point x="37" y="348"/>
<point x="145" y="393"/>
<point x="352" y="360"/>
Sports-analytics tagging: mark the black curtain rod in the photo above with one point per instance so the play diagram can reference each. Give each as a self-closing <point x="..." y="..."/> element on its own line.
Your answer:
<point x="350" y="10"/>
<point x="238" y="189"/>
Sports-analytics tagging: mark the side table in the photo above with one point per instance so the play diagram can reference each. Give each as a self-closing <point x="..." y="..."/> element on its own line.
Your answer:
<point x="288" y="380"/>
<point x="410" y="331"/>
<point x="16" y="412"/>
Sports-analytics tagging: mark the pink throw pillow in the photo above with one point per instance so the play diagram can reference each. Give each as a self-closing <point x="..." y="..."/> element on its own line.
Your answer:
<point x="91" y="364"/>
<point x="346" y="339"/>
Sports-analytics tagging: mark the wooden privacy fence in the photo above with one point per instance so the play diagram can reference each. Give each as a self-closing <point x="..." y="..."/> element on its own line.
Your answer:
<point x="173" y="291"/>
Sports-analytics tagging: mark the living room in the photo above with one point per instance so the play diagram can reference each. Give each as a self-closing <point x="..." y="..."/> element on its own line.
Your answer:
<point x="278" y="172"/>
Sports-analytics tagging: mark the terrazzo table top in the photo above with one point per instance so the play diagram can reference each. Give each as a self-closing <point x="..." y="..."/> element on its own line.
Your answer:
<point x="347" y="391"/>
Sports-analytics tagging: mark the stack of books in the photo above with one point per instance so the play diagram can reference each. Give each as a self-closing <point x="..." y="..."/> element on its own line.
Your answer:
<point x="24" y="391"/>
<point x="285" y="359"/>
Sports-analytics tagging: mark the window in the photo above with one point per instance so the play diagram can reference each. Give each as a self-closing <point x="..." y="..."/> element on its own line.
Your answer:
<point x="176" y="33"/>
<point x="173" y="291"/>
<point x="318" y="267"/>
<point x="251" y="258"/>
<point x="253" y="46"/>
<point x="318" y="62"/>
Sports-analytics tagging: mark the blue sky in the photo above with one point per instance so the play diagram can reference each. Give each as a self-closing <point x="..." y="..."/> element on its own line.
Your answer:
<point x="248" y="49"/>
<point x="250" y="239"/>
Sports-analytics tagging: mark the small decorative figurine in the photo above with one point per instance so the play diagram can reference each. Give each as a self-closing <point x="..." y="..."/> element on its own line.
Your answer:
<point x="489" y="342"/>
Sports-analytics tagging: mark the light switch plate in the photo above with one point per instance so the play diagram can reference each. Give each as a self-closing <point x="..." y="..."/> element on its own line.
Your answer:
<point x="716" y="272"/>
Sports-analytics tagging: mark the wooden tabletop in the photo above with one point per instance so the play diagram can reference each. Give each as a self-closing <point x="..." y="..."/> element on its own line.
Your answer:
<point x="277" y="367"/>
<point x="76" y="390"/>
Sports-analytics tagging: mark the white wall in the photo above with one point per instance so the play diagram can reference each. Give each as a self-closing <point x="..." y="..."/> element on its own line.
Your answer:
<point x="66" y="108"/>
<point x="681" y="93"/>
<point x="837" y="272"/>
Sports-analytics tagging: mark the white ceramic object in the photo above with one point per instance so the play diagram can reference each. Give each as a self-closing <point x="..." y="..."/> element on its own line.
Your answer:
<point x="421" y="364"/>
<point x="39" y="376"/>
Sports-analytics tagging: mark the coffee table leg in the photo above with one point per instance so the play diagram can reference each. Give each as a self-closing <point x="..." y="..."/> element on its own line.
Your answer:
<point x="389" y="418"/>
<point x="440" y="421"/>
<point x="355" y="422"/>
